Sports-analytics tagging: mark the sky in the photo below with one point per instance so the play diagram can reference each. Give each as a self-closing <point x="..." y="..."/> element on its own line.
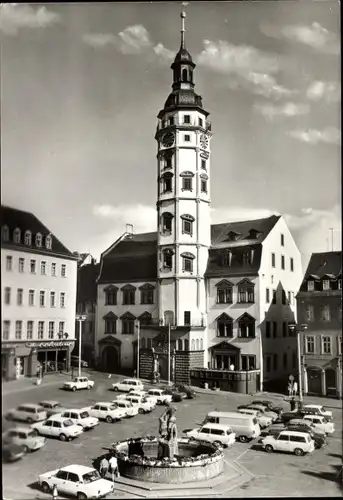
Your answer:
<point x="82" y="85"/>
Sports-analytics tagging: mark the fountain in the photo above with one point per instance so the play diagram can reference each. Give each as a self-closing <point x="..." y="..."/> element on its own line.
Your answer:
<point x="168" y="459"/>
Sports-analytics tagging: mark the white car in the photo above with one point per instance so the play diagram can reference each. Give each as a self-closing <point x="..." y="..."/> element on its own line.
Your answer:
<point x="76" y="480"/>
<point x="144" y="406"/>
<point x="289" y="441"/>
<point x="262" y="419"/>
<point x="78" y="383"/>
<point x="81" y="417"/>
<point x="319" y="410"/>
<point x="214" y="433"/>
<point x="141" y="394"/>
<point x="126" y="406"/>
<point x="128" y="385"/>
<point x="264" y="411"/>
<point x="25" y="437"/>
<point x="56" y="426"/>
<point x="160" y="396"/>
<point x="52" y="407"/>
<point x="107" y="411"/>
<point x="27" y="413"/>
<point x="320" y="423"/>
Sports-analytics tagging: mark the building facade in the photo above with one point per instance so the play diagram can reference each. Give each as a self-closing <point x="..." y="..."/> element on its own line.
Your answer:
<point x="38" y="296"/>
<point x="199" y="297"/>
<point x="319" y="304"/>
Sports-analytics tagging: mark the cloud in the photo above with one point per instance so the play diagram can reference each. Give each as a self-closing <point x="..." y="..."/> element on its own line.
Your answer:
<point x="163" y="52"/>
<point x="329" y="135"/>
<point x="15" y="16"/>
<point x="314" y="36"/>
<point x="250" y="67"/>
<point x="99" y="39"/>
<point x="289" y="110"/>
<point x="329" y="91"/>
<point x="133" y="39"/>
<point x="234" y="214"/>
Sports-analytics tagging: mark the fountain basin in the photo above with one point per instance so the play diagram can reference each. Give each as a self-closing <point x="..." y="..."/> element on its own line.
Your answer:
<point x="197" y="461"/>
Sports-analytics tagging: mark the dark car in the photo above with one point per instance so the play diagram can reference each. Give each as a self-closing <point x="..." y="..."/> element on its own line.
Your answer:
<point x="290" y="415"/>
<point x="176" y="396"/>
<point x="185" y="389"/>
<point x="319" y="439"/>
<point x="11" y="452"/>
<point x="272" y="430"/>
<point x="268" y="404"/>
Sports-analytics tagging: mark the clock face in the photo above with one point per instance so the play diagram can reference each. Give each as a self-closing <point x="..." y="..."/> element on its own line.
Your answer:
<point x="168" y="139"/>
<point x="203" y="141"/>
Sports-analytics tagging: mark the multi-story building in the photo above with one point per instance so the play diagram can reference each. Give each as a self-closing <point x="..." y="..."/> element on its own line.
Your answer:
<point x="87" y="274"/>
<point x="38" y="297"/>
<point x="215" y="290"/>
<point x="319" y="304"/>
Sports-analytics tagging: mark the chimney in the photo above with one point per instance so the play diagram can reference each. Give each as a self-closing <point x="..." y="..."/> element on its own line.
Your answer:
<point x="129" y="230"/>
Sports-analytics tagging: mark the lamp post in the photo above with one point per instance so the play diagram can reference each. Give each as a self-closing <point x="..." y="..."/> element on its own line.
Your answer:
<point x="168" y="354"/>
<point x="138" y="346"/>
<point x="80" y="318"/>
<point x="297" y="329"/>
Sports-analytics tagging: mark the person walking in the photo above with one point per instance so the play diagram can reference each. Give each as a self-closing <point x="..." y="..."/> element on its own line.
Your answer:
<point x="113" y="462"/>
<point x="104" y="465"/>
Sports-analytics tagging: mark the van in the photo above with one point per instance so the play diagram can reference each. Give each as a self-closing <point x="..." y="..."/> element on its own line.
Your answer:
<point x="245" y="427"/>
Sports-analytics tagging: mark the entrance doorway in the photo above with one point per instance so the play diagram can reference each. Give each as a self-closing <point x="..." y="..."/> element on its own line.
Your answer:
<point x="110" y="359"/>
<point x="314" y="377"/>
<point x="330" y="378"/>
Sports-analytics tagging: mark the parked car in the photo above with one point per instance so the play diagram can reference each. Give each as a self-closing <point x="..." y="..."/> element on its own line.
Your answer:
<point x="290" y="415"/>
<point x="81" y="417"/>
<point x="268" y="404"/>
<point x="273" y="430"/>
<point x="190" y="393"/>
<point x="262" y="409"/>
<point x="126" y="406"/>
<point x="27" y="413"/>
<point x="213" y="433"/>
<point x="24" y="437"/>
<point x="245" y="427"/>
<point x="141" y="394"/>
<point x="298" y="443"/>
<point x="176" y="396"/>
<point x="318" y="410"/>
<point x="78" y="383"/>
<point x="144" y="406"/>
<point x="57" y="426"/>
<point x="128" y="385"/>
<point x="107" y="411"/>
<point x="52" y="407"/>
<point x="321" y="423"/>
<point x="319" y="438"/>
<point x="11" y="452"/>
<point x="262" y="419"/>
<point x="160" y="396"/>
<point x="74" y="361"/>
<point x="77" y="481"/>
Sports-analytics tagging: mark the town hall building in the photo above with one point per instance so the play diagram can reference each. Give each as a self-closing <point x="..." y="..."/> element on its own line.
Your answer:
<point x="199" y="303"/>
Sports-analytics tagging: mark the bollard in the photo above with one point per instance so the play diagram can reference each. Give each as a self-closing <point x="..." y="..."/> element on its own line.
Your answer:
<point x="54" y="492"/>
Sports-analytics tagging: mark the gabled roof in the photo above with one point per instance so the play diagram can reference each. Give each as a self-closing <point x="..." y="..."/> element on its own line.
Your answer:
<point x="26" y="221"/>
<point x="323" y="264"/>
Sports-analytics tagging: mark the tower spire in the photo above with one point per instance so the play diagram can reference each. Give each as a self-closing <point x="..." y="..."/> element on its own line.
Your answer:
<point x="183" y="15"/>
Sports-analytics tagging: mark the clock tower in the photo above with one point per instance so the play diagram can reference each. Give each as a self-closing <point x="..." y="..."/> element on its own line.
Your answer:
<point x="183" y="202"/>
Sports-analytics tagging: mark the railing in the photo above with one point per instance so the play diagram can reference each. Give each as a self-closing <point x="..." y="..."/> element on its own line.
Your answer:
<point x="196" y="322"/>
<point x="192" y="123"/>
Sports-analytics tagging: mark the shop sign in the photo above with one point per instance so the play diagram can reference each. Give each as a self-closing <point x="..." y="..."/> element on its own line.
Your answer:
<point x="48" y="344"/>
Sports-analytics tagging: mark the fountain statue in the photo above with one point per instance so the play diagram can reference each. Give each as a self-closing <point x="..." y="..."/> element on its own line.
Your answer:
<point x="168" y="443"/>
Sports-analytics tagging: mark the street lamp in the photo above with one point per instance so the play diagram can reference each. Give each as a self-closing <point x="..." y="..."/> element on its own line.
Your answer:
<point x="138" y="326"/>
<point x="297" y="329"/>
<point x="80" y="318"/>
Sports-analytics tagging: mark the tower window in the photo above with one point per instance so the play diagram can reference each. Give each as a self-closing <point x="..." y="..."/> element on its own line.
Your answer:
<point x="167" y="222"/>
<point x="171" y="120"/>
<point x="187" y="262"/>
<point x="187" y="119"/>
<point x="204" y="186"/>
<point x="187" y="224"/>
<point x="168" y="258"/>
<point x="187" y="138"/>
<point x="201" y="122"/>
<point x="184" y="75"/>
<point x="187" y="184"/>
<point x="168" y="162"/>
<point x="203" y="164"/>
<point x="167" y="182"/>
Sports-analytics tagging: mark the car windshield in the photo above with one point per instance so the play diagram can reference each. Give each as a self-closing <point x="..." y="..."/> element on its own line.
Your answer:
<point x="90" y="477"/>
<point x="31" y="434"/>
<point x="57" y="405"/>
<point x="113" y="407"/>
<point x="68" y="423"/>
<point x="84" y="414"/>
<point x="129" y="404"/>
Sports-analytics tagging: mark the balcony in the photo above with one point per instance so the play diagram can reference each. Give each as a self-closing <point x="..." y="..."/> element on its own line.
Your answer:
<point x="240" y="381"/>
<point x="180" y="123"/>
<point x="160" y="323"/>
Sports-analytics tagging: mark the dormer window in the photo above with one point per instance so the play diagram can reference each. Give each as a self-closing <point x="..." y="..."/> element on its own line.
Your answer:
<point x="5" y="233"/>
<point x="167" y="223"/>
<point x="227" y="258"/>
<point x="326" y="284"/>
<point x="253" y="234"/>
<point x="16" y="235"/>
<point x="167" y="180"/>
<point x="28" y="238"/>
<point x="310" y="286"/>
<point x="187" y="224"/>
<point x="48" y="242"/>
<point x="233" y="236"/>
<point x="38" y="240"/>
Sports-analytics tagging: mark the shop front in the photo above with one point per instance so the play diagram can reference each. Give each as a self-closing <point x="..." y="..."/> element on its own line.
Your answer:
<point x="53" y="356"/>
<point x="15" y="361"/>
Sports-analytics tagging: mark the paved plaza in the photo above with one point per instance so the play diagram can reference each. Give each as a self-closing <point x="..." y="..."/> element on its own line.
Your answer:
<point x="261" y="474"/>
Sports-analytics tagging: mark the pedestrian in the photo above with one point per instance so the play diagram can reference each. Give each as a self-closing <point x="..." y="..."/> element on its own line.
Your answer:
<point x="113" y="462"/>
<point x="104" y="465"/>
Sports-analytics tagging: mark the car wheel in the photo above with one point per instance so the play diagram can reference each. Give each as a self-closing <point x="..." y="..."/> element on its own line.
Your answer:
<point x="269" y="448"/>
<point x="63" y="437"/>
<point x="29" y="421"/>
<point x="298" y="452"/>
<point x="140" y="410"/>
<point x="243" y="439"/>
<point x="218" y="443"/>
<point x="109" y="419"/>
<point x="115" y="389"/>
<point x="26" y="449"/>
<point x="81" y="496"/>
<point x="46" y="488"/>
<point x="73" y="388"/>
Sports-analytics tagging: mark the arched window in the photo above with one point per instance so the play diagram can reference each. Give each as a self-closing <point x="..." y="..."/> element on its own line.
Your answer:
<point x="193" y="345"/>
<point x="224" y="292"/>
<point x="167" y="222"/>
<point x="186" y="344"/>
<point x="48" y="242"/>
<point x="197" y="345"/>
<point x="246" y="326"/>
<point x="201" y="345"/>
<point x="224" y="326"/>
<point x="16" y="235"/>
<point x="167" y="182"/>
<point x="38" y="240"/>
<point x="184" y="75"/>
<point x="246" y="292"/>
<point x="142" y="346"/>
<point x="28" y="238"/>
<point x="5" y="233"/>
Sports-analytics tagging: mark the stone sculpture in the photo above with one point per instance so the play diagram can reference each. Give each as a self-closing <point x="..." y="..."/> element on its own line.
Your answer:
<point x="168" y="446"/>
